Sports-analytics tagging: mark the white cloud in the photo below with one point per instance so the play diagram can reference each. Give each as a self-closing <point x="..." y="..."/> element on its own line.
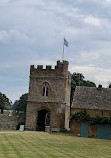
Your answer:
<point x="92" y="20"/>
<point x="96" y="74"/>
<point x="15" y="93"/>
<point x="4" y="65"/>
<point x="2" y="2"/>
<point x="28" y="2"/>
<point x="12" y="35"/>
<point x="106" y="2"/>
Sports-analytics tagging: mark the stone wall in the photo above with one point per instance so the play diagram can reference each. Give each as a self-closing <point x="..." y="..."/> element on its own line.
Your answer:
<point x="75" y="127"/>
<point x="56" y="110"/>
<point x="10" y="120"/>
<point x="93" y="131"/>
<point x="67" y="117"/>
<point x="67" y="100"/>
<point x="58" y="81"/>
<point x="93" y="112"/>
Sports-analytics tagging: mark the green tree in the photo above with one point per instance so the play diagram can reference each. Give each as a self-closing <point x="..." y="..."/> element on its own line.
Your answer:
<point x="5" y="103"/>
<point x="89" y="84"/>
<point x="78" y="79"/>
<point x="21" y="104"/>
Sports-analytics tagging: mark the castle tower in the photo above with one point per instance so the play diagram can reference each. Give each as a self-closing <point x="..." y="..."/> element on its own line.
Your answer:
<point x="49" y="97"/>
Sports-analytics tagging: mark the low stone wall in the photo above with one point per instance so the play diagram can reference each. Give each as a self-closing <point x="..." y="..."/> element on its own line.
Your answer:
<point x="11" y="120"/>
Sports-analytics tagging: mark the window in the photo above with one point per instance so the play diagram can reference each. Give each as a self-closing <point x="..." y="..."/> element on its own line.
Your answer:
<point x="45" y="91"/>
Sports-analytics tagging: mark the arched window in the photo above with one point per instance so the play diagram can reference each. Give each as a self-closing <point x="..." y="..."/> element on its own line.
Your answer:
<point x="45" y="90"/>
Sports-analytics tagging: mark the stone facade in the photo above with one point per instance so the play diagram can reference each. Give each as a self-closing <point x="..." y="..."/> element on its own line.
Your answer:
<point x="75" y="129"/>
<point x="49" y="93"/>
<point x="92" y="131"/>
<point x="96" y="102"/>
<point x="11" y="120"/>
<point x="93" y="112"/>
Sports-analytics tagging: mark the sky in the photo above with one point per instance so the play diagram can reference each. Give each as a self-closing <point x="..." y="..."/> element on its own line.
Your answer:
<point x="32" y="33"/>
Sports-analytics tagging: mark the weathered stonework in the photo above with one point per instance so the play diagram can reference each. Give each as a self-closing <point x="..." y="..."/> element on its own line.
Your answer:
<point x="10" y="120"/>
<point x="96" y="102"/>
<point x="49" y="89"/>
<point x="92" y="131"/>
<point x="93" y="112"/>
<point x="75" y="128"/>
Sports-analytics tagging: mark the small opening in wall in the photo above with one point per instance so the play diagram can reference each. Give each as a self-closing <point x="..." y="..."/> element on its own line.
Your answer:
<point x="45" y="91"/>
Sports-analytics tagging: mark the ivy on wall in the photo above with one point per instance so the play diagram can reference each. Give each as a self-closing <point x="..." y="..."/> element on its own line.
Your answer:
<point x="84" y="117"/>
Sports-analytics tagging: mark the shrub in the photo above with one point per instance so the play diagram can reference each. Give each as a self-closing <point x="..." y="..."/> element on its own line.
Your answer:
<point x="84" y="117"/>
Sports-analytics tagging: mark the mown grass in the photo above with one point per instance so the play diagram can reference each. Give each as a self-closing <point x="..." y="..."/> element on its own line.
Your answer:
<point x="46" y="145"/>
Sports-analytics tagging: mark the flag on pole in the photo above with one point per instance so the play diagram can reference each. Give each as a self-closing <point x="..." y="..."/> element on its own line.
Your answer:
<point x="65" y="42"/>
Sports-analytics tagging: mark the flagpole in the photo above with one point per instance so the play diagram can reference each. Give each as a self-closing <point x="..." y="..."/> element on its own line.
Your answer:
<point x="63" y="51"/>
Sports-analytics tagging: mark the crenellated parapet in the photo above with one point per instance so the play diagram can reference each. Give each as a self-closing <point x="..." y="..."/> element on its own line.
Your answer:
<point x="60" y="69"/>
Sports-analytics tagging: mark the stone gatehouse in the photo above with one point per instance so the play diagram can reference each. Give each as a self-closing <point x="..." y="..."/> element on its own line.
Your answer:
<point x="49" y="97"/>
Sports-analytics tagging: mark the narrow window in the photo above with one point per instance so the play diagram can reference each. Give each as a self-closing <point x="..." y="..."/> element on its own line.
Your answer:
<point x="47" y="92"/>
<point x="43" y="91"/>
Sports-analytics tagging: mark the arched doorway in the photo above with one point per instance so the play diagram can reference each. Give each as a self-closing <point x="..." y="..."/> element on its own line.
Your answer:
<point x="43" y="119"/>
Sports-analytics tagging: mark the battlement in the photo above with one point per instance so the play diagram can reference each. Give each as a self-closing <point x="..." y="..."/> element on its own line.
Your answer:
<point x="49" y="67"/>
<point x="61" y="68"/>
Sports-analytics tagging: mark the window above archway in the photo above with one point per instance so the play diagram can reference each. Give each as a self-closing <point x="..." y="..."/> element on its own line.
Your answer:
<point x="45" y="89"/>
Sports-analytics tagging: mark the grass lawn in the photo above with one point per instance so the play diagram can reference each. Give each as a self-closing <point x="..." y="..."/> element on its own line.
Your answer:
<point x="45" y="145"/>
